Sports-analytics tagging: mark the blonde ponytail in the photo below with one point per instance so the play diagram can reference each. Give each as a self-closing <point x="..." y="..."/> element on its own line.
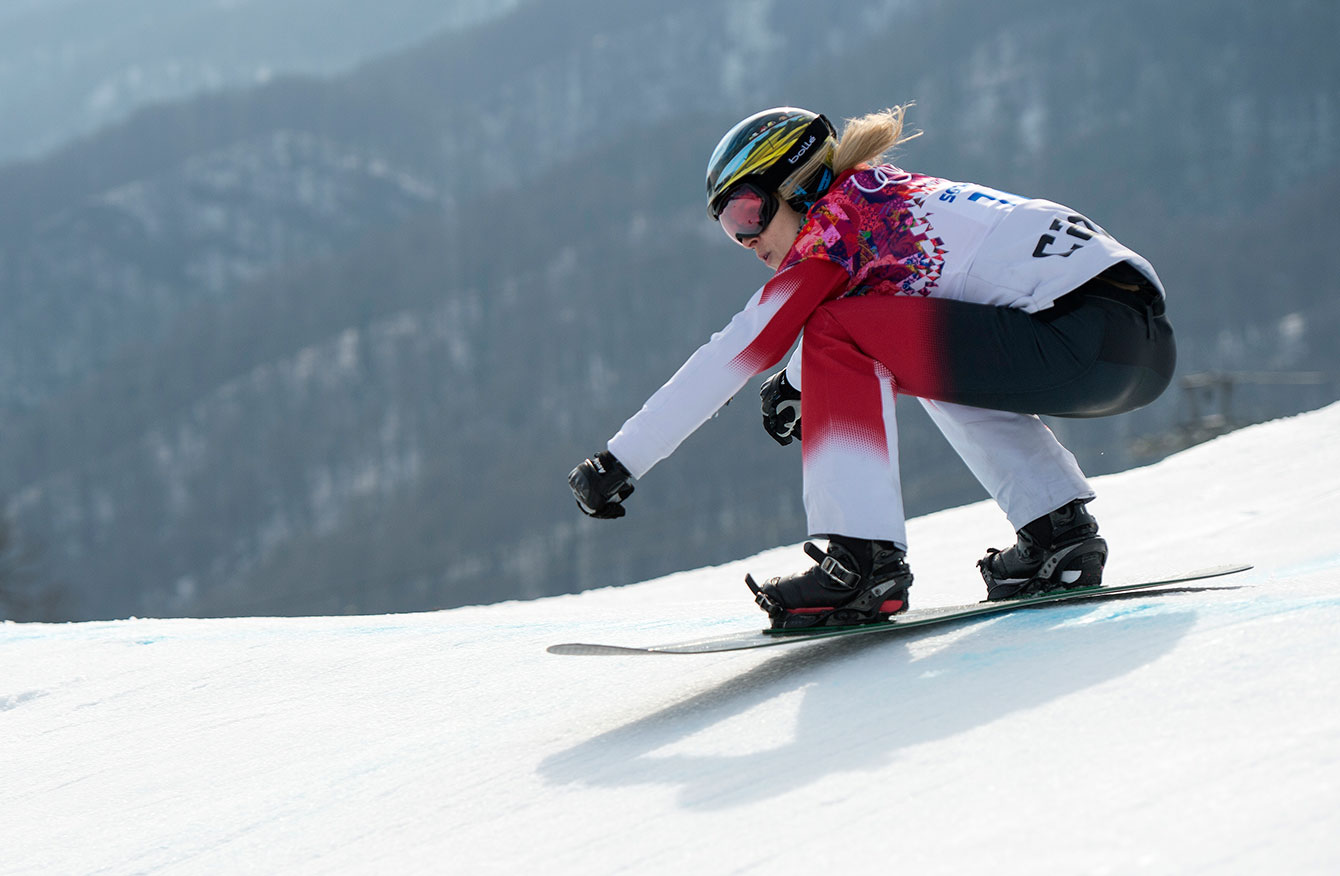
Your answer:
<point x="868" y="138"/>
<point x="864" y="140"/>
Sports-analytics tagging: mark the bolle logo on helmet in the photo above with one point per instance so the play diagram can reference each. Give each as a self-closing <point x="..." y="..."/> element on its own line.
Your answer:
<point x="755" y="149"/>
<point x="804" y="147"/>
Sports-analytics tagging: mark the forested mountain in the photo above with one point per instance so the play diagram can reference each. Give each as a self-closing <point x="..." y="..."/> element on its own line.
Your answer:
<point x="332" y="345"/>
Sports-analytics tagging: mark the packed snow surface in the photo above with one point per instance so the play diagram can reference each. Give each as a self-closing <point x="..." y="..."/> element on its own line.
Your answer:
<point x="1195" y="732"/>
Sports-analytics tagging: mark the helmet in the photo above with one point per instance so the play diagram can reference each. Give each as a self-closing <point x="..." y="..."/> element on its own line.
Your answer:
<point x="767" y="148"/>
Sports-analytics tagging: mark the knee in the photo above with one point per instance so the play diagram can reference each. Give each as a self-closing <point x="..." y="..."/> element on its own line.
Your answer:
<point x="827" y="342"/>
<point x="824" y="326"/>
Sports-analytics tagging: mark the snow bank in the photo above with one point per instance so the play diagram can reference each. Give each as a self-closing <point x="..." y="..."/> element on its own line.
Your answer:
<point x="1196" y="732"/>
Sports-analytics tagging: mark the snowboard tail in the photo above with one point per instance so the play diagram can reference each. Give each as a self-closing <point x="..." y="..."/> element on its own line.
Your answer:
<point x="913" y="619"/>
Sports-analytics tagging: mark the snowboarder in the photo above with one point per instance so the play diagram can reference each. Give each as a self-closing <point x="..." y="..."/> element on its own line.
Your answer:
<point x="988" y="307"/>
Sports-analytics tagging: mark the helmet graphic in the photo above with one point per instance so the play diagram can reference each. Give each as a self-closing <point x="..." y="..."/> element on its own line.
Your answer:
<point x="767" y="149"/>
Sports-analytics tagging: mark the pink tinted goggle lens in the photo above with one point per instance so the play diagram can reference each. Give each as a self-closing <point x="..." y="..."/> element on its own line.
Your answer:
<point x="746" y="214"/>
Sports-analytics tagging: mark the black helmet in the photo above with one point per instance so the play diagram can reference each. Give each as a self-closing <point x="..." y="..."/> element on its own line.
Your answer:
<point x="767" y="148"/>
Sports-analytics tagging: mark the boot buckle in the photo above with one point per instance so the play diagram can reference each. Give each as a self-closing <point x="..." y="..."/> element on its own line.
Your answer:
<point x="839" y="573"/>
<point x="829" y="565"/>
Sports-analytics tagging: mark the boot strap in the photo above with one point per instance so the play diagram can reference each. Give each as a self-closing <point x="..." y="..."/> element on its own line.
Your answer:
<point x="832" y="568"/>
<point x="840" y="573"/>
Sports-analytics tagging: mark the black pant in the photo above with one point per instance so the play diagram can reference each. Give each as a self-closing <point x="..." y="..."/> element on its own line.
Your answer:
<point x="1106" y="348"/>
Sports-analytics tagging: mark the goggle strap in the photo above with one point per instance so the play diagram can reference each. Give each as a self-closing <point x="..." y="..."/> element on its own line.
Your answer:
<point x="809" y="196"/>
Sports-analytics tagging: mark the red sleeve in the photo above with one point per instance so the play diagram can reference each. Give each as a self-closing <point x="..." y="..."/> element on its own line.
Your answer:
<point x="795" y="293"/>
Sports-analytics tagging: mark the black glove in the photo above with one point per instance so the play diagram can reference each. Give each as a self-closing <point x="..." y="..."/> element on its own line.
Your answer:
<point x="601" y="483"/>
<point x="781" y="408"/>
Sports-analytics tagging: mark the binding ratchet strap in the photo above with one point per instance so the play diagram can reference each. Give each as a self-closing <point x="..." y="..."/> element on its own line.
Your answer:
<point x="832" y="568"/>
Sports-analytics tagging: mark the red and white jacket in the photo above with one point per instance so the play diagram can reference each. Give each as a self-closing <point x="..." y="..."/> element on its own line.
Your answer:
<point x="879" y="231"/>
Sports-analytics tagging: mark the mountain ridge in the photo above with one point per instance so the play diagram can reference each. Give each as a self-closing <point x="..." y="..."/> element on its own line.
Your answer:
<point x="190" y="291"/>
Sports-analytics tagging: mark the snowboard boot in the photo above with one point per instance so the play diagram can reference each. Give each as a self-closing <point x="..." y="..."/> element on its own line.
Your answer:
<point x="1059" y="551"/>
<point x="857" y="581"/>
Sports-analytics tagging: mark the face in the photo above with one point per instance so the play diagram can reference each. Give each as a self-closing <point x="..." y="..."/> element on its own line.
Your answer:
<point x="776" y="240"/>
<point x="746" y="208"/>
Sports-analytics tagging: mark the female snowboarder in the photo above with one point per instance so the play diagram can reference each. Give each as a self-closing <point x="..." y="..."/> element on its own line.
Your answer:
<point x="988" y="307"/>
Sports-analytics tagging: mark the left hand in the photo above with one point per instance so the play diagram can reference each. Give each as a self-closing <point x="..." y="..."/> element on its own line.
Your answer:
<point x="781" y="408"/>
<point x="600" y="485"/>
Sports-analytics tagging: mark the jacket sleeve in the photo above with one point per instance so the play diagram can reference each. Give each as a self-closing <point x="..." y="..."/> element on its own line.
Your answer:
<point x="755" y="339"/>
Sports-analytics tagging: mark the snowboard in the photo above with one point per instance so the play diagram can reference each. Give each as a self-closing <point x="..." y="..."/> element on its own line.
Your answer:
<point x="913" y="619"/>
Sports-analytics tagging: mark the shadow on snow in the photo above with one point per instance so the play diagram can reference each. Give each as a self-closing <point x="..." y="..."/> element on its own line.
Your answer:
<point x="865" y="698"/>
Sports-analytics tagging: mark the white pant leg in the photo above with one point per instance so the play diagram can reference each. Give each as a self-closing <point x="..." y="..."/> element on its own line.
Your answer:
<point x="852" y="487"/>
<point x="1015" y="456"/>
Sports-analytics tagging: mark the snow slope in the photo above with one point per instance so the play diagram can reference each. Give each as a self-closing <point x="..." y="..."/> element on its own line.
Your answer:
<point x="1189" y="733"/>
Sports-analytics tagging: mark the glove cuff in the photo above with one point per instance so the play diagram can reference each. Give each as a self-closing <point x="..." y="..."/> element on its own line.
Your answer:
<point x="607" y="465"/>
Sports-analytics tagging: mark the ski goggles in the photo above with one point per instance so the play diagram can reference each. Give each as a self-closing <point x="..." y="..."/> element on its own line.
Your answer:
<point x="746" y="212"/>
